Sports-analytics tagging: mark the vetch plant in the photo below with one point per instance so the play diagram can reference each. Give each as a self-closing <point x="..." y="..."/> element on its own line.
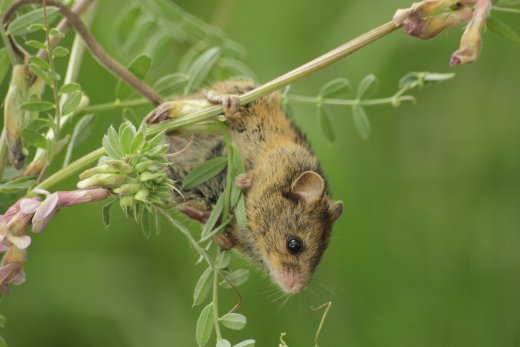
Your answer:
<point x="131" y="167"/>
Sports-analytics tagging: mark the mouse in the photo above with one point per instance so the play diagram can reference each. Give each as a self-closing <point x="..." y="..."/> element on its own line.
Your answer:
<point x="289" y="209"/>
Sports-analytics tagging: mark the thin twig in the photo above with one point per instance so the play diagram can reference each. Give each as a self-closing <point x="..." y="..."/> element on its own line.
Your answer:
<point x="63" y="26"/>
<point x="97" y="51"/>
<point x="207" y="113"/>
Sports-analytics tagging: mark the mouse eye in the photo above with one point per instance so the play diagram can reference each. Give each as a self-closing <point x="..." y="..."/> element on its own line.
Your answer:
<point x="294" y="245"/>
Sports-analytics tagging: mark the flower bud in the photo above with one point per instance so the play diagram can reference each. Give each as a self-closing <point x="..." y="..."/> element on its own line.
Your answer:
<point x="119" y="165"/>
<point x="128" y="189"/>
<point x="144" y="165"/>
<point x="142" y="195"/>
<point x="102" y="180"/>
<point x="148" y="176"/>
<point x="127" y="202"/>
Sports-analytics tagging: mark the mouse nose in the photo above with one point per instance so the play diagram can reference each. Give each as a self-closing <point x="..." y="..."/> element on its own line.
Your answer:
<point x="290" y="282"/>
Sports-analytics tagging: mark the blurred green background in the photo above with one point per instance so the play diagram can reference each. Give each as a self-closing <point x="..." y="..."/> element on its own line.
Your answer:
<point x="427" y="252"/>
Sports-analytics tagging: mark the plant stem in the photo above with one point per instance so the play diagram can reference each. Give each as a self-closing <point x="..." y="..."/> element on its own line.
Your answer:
<point x="3" y="137"/>
<point x="97" y="51"/>
<point x="3" y="153"/>
<point x="286" y="79"/>
<point x="63" y="25"/>
<point x="10" y="52"/>
<point x="114" y="105"/>
<point x="54" y="84"/>
<point x="356" y="102"/>
<point x="280" y="82"/>
<point x="73" y="168"/>
<point x="215" y="302"/>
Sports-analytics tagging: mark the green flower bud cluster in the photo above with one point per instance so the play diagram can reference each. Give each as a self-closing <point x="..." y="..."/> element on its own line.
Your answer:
<point x="135" y="169"/>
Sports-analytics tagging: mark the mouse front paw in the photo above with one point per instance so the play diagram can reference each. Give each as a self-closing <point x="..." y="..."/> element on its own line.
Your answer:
<point x="226" y="240"/>
<point x="230" y="103"/>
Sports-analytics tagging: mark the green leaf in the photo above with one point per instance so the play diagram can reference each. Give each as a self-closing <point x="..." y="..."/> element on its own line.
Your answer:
<point x="335" y="88"/>
<point x="326" y="125"/>
<point x="126" y="135"/>
<point x="60" y="51"/>
<point x="40" y="62"/>
<point x="56" y="32"/>
<point x="106" y="212"/>
<point x="156" y="140"/>
<point x="361" y="122"/>
<point x="236" y="278"/>
<point x="69" y="88"/>
<point x="146" y="225"/>
<point x="33" y="138"/>
<point x="204" y="172"/>
<point x="236" y="169"/>
<point x="204" y="326"/>
<point x="223" y="343"/>
<point x="510" y="3"/>
<point x="503" y="30"/>
<point x="234" y="321"/>
<point x="246" y="343"/>
<point x="213" y="218"/>
<point x="17" y="185"/>
<point x="71" y="103"/>
<point x="240" y="212"/>
<point x="37" y="106"/>
<point x="4" y="64"/>
<point x="168" y="85"/>
<point x="81" y="132"/>
<point x="113" y="137"/>
<point x="36" y="44"/>
<point x="39" y="72"/>
<point x="36" y="27"/>
<point x="2" y="321"/>
<point x="222" y="260"/>
<point x="53" y="75"/>
<point x="137" y="143"/>
<point x="5" y="4"/>
<point x="420" y="79"/>
<point x="139" y="67"/>
<point x="202" y="288"/>
<point x="126" y="24"/>
<point x="367" y="87"/>
<point x="22" y="25"/>
<point x="236" y="68"/>
<point x="201" y="67"/>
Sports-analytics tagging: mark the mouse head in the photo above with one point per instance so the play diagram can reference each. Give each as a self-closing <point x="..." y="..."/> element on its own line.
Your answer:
<point x="293" y="228"/>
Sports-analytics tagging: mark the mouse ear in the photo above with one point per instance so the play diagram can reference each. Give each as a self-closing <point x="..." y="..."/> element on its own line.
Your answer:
<point x="336" y="210"/>
<point x="309" y="186"/>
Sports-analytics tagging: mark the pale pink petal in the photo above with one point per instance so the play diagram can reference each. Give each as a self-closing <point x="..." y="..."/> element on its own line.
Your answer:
<point x="41" y="191"/>
<point x="46" y="208"/>
<point x="19" y="278"/>
<point x="21" y="242"/>
<point x="29" y="205"/>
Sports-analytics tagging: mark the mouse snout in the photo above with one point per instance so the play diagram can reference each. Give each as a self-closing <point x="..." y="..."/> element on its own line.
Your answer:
<point x="290" y="281"/>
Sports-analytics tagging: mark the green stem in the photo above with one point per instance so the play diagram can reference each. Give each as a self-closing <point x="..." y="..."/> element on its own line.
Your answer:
<point x="505" y="9"/>
<point x="3" y="136"/>
<point x="215" y="303"/>
<point x="73" y="168"/>
<point x="280" y="82"/>
<point x="10" y="52"/>
<point x="114" y="105"/>
<point x="356" y="102"/>
<point x="54" y="84"/>
<point x="3" y="153"/>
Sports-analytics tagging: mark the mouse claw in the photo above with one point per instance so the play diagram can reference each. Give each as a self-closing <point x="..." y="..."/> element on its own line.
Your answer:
<point x="225" y="241"/>
<point x="230" y="103"/>
<point x="243" y="181"/>
<point x="194" y="213"/>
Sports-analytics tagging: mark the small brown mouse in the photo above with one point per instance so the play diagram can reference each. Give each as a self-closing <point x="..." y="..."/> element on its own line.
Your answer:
<point x="289" y="209"/>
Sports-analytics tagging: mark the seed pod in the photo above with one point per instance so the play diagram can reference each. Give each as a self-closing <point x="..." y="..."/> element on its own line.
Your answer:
<point x="120" y="166"/>
<point x="144" y="165"/>
<point x="128" y="189"/>
<point x="142" y="195"/>
<point x="14" y="116"/>
<point x="148" y="176"/>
